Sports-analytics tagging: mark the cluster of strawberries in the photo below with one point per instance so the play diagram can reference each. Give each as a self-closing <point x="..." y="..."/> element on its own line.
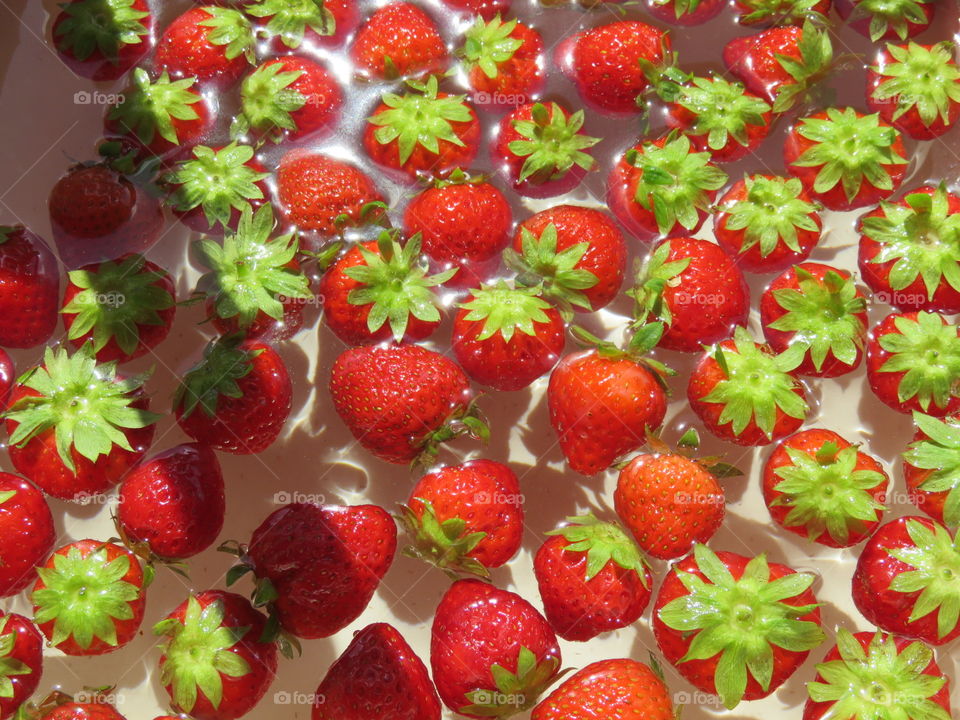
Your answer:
<point x="315" y="226"/>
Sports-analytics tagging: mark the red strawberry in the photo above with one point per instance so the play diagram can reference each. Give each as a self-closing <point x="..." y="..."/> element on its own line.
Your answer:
<point x="401" y="401"/>
<point x="913" y="363"/>
<point x="422" y="131"/>
<point x="904" y="580"/>
<point x="378" y="675"/>
<point x="507" y="337"/>
<point x="819" y="486"/>
<point x="845" y="159"/>
<point x="27" y="534"/>
<point x="102" y="41"/>
<point x="398" y="39"/>
<point x="466" y="517"/>
<point x="781" y="12"/>
<point x="29" y="288"/>
<point x="216" y="664"/>
<point x="173" y="503"/>
<point x="237" y="398"/>
<point x="908" y="252"/>
<point x="613" y="689"/>
<point x="125" y="307"/>
<point x="504" y="62"/>
<point x="685" y="12"/>
<point x="491" y="652"/>
<point x="734" y="626"/>
<point x="767" y="223"/>
<point x="592" y="579"/>
<point x="695" y="289"/>
<point x="76" y="427"/>
<point x="210" y="43"/>
<point x="69" y="710"/>
<point x="90" y="597"/>
<point x="21" y="662"/>
<point x="900" y="19"/>
<point x="931" y="468"/>
<point x="745" y="394"/>
<point x="291" y="24"/>
<point x="486" y="9"/>
<point x="820" y="307"/>
<point x="663" y="188"/>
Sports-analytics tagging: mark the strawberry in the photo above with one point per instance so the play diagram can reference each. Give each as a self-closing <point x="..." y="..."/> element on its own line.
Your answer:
<point x="173" y="503"/>
<point x="592" y="579"/>
<point x="102" y="40"/>
<point x="290" y="24"/>
<point x="211" y="43"/>
<point x="288" y="98"/>
<point x="216" y="663"/>
<point x="318" y="566"/>
<point x="507" y="337"/>
<point x="463" y="223"/>
<point x="76" y="427"/>
<point x="613" y="689"/>
<point x="402" y="401"/>
<point x="21" y="662"/>
<point x="27" y="535"/>
<point x="210" y="190"/>
<point x="491" y="652"/>
<point x="819" y="486"/>
<point x="819" y="307"/>
<point x="254" y="283"/>
<point x="69" y="710"/>
<point x="685" y="12"/>
<point x="90" y="597"/>
<point x="380" y="290"/>
<point x="745" y="394"/>
<point x="767" y="223"/>
<point x="577" y="254"/>
<point x="734" y="626"/>
<point x="378" y="675"/>
<point x="875" y="674"/>
<point x="908" y="250"/>
<point x="504" y="62"/>
<point x="913" y="363"/>
<point x="486" y="9"/>
<point x="904" y="581"/>
<point x="541" y="152"/>
<point x="465" y="518"/>
<point x="237" y="398"/>
<point x="664" y="187"/>
<point x="423" y="131"/>
<point x="611" y="81"/>
<point x="398" y="39"/>
<point x="845" y="159"/>
<point x="930" y="468"/>
<point x="695" y="289"/>
<point x="125" y="307"/>
<point x="29" y="288"/>
<point x="781" y="12"/>
<point x="900" y="19"/>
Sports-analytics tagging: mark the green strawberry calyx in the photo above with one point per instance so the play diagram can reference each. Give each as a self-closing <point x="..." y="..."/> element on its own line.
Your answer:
<point x="290" y="19"/>
<point x="849" y="148"/>
<point x="251" y="273"/>
<point x="514" y="692"/>
<point x="540" y="263"/>
<point x="656" y="274"/>
<point x="198" y="654"/>
<point x="87" y="406"/>
<point x="603" y="543"/>
<point x="741" y="620"/>
<point x="395" y="285"/>
<point x="879" y="682"/>
<point x="422" y="116"/>
<point x="268" y="102"/>
<point x="643" y="338"/>
<point x="115" y="301"/>
<point x="487" y="45"/>
<point x="887" y="15"/>
<point x="927" y="351"/>
<point x="681" y="8"/>
<point x="823" y="315"/>
<point x="938" y="452"/>
<point x="815" y="62"/>
<point x="721" y="110"/>
<point x="772" y="214"/>
<point x="826" y="494"/>
<point x="150" y="108"/>
<point x="923" y="238"/>
<point x="506" y="310"/>
<point x="780" y="12"/>
<point x="935" y="559"/>
<point x="84" y="596"/>
<point x="465" y="420"/>
<point x="756" y="385"/>
<point x="446" y="545"/>
<point x="217" y="181"/>
<point x="9" y="666"/>
<point x="552" y="144"/>
<point x="224" y="362"/>
<point x="232" y="30"/>
<point x="100" y="26"/>
<point x="921" y="78"/>
<point x="675" y="182"/>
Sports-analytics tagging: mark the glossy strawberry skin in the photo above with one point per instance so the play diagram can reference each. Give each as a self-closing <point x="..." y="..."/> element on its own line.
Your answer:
<point x="27" y="649"/>
<point x="931" y="503"/>
<point x="404" y="33"/>
<point x="83" y="711"/>
<point x="29" y="290"/>
<point x="320" y="114"/>
<point x="98" y="67"/>
<point x="186" y="50"/>
<point x="752" y="59"/>
<point x="325" y="563"/>
<point x="518" y="79"/>
<point x="27" y="534"/>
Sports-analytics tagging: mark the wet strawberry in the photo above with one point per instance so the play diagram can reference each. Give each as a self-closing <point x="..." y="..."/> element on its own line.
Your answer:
<point x="29" y="288"/>
<point x="780" y="12"/>
<point x="211" y="43"/>
<point x="931" y="468"/>
<point x="899" y="19"/>
<point x="102" y="40"/>
<point x="21" y="662"/>
<point x="504" y="61"/>
<point x="398" y="39"/>
<point x="292" y="23"/>
<point x="27" y="534"/>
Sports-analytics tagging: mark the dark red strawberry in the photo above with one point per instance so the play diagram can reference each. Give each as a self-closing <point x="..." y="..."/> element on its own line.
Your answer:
<point x="211" y="43"/>
<point x="27" y="533"/>
<point x="734" y="626"/>
<point x="504" y="61"/>
<point x="685" y="12"/>
<point x="896" y="20"/>
<point x="592" y="579"/>
<point x="291" y="25"/>
<point x="781" y="12"/>
<point x="931" y="468"/>
<point x="237" y="398"/>
<point x="398" y="39"/>
<point x="29" y="288"/>
<point x="66" y="709"/>
<point x="21" y="662"/>
<point x="102" y="40"/>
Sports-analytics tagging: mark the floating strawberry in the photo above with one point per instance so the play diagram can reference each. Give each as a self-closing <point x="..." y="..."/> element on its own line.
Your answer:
<point x="734" y="626"/>
<point x="27" y="534"/>
<point x="398" y="39"/>
<point x="504" y="62"/>
<point x="29" y="288"/>
<point x="102" y="40"/>
<point x="930" y="468"/>
<point x="781" y="12"/>
<point x="685" y="12"/>
<point x="62" y="707"/>
<point x="291" y="24"/>
<point x="211" y="43"/>
<point x="901" y="19"/>
<point x="819" y="307"/>
<point x="21" y="662"/>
